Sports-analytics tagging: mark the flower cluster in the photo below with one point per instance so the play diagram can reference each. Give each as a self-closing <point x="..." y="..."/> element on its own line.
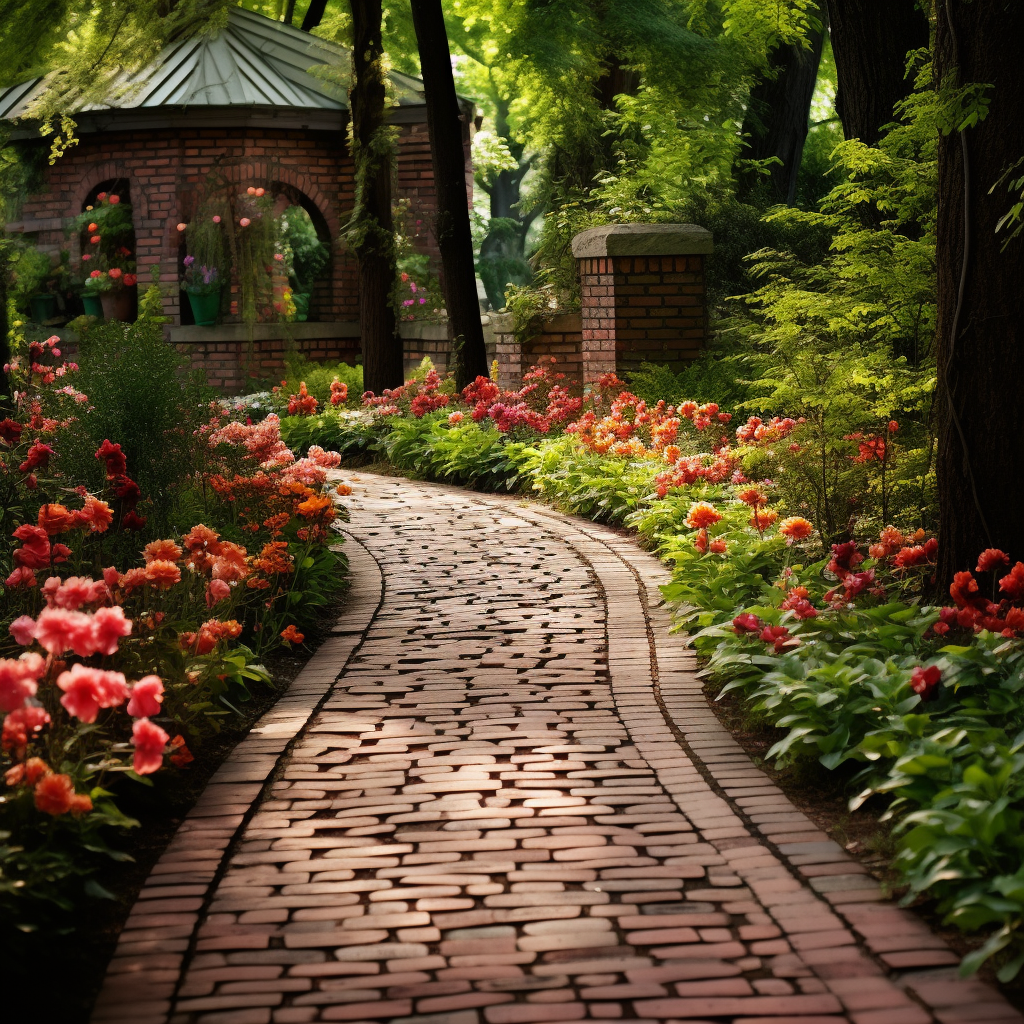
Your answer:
<point x="1004" y="613"/>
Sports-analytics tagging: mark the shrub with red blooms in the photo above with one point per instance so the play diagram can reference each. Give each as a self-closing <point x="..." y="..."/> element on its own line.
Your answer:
<point x="109" y="645"/>
<point x="973" y="610"/>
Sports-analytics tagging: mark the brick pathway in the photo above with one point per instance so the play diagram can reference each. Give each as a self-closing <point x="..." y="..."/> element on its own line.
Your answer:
<point x="498" y="796"/>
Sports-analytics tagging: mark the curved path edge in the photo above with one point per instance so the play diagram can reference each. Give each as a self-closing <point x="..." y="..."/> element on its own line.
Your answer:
<point x="152" y="950"/>
<point x="882" y="964"/>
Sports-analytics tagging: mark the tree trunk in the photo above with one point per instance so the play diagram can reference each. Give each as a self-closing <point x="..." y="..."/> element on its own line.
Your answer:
<point x="289" y="12"/>
<point x="980" y="343"/>
<point x="454" y="237"/>
<point x="315" y="14"/>
<point x="871" y="40"/>
<point x="371" y="229"/>
<point x="777" y="115"/>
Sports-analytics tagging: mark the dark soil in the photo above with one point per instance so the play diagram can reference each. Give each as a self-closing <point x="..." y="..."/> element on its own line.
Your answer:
<point x="54" y="975"/>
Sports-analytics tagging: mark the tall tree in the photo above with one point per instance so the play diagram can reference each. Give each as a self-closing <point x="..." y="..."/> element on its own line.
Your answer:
<point x="445" y="123"/>
<point x="871" y="41"/>
<point x="778" y="112"/>
<point x="980" y="339"/>
<point x="371" y="228"/>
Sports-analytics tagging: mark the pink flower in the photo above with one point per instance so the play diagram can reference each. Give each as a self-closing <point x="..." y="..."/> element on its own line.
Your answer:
<point x="21" y="577"/>
<point x="71" y="594"/>
<point x="146" y="696"/>
<point x="111" y="576"/>
<point x="58" y="630"/>
<point x="23" y="629"/>
<point x="216" y="592"/>
<point x="149" y="741"/>
<point x="109" y="625"/>
<point x="244" y="222"/>
<point x="86" y="690"/>
<point x="216" y="218"/>
<point x="18" y="679"/>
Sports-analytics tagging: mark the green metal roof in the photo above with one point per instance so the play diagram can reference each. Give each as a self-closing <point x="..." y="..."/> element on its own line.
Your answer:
<point x="254" y="62"/>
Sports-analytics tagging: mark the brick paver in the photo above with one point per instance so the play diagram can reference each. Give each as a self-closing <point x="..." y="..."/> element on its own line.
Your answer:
<point x="513" y="805"/>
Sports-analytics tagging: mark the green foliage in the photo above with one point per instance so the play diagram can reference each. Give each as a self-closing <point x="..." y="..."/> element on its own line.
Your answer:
<point x="142" y="395"/>
<point x="29" y="271"/>
<point x="309" y="256"/>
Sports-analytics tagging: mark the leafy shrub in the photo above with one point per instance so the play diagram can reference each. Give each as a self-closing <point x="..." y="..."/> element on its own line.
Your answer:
<point x="319" y="376"/>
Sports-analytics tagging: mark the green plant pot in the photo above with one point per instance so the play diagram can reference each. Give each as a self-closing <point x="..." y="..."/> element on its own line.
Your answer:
<point x="93" y="306"/>
<point x="301" y="300"/>
<point x="205" y="307"/>
<point x="43" y="307"/>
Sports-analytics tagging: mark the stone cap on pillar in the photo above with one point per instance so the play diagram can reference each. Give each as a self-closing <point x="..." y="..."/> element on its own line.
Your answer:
<point x="642" y="240"/>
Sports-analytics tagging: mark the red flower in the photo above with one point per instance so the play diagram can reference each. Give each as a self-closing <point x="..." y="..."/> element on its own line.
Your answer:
<point x="292" y="635"/>
<point x="112" y="455"/>
<point x="37" y="457"/>
<point x="845" y="557"/>
<point x="991" y="559"/>
<point x="925" y="681"/>
<point x="149" y="741"/>
<point x="746" y="622"/>
<point x="778" y="637"/>
<point x="86" y="690"/>
<point x="132" y="522"/>
<point x="963" y="588"/>
<point x="1012" y="584"/>
<point x="10" y="432"/>
<point x="130" y="280"/>
<point x="182" y="755"/>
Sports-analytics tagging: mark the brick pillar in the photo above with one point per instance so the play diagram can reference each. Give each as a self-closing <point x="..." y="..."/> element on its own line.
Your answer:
<point x="643" y="295"/>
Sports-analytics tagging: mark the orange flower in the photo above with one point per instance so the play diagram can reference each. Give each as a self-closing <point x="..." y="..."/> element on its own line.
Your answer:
<point x="314" y="506"/>
<point x="182" y="755"/>
<point x="763" y="518"/>
<point x="202" y="538"/>
<point x="795" y="528"/>
<point x="96" y="515"/>
<point x="230" y="563"/>
<point x="162" y="574"/>
<point x="292" y="635"/>
<point x="54" y="519"/>
<point x="719" y="546"/>
<point x="343" y="489"/>
<point x="753" y="497"/>
<point x="702" y="515"/>
<point x="54" y="794"/>
<point x="30" y="772"/>
<point x="80" y="804"/>
<point x="132" y="580"/>
<point x="162" y="551"/>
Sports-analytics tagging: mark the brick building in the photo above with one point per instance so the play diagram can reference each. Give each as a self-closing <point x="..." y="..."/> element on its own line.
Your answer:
<point x="259" y="102"/>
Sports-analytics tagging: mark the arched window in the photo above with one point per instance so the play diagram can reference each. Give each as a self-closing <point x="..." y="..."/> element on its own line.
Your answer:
<point x="107" y="267"/>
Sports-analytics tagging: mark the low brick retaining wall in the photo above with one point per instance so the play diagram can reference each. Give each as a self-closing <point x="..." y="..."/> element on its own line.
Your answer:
<point x="557" y="338"/>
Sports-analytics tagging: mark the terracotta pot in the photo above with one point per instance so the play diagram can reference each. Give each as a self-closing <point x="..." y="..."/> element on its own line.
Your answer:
<point x="119" y="304"/>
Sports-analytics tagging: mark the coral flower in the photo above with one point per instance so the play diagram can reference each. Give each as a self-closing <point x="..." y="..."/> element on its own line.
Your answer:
<point x="702" y="515"/>
<point x="59" y="630"/>
<point x="54" y="519"/>
<point x="795" y="528"/>
<point x="719" y="546"/>
<point x="201" y="538"/>
<point x="23" y="629"/>
<point x="989" y="560"/>
<point x="753" y="497"/>
<point x="86" y="690"/>
<point x="1013" y="583"/>
<point x="292" y="635"/>
<point x="161" y="550"/>
<point x="763" y="518"/>
<point x="146" y="697"/>
<point x="162" y="574"/>
<point x="21" y="577"/>
<point x="28" y="773"/>
<point x="454" y="417"/>
<point x="54" y="793"/>
<point x="216" y="592"/>
<point x="149" y="741"/>
<point x="20" y="726"/>
<point x="95" y="515"/>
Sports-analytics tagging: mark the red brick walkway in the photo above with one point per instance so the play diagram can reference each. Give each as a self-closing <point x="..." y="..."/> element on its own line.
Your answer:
<point x="498" y="796"/>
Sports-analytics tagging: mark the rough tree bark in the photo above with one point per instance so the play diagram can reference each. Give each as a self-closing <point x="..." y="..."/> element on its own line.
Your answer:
<point x="371" y="231"/>
<point x="454" y="236"/>
<point x="871" y="40"/>
<point x="980" y="340"/>
<point x="777" y="115"/>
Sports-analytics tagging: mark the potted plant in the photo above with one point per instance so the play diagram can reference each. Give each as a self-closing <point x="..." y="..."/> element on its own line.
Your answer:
<point x="202" y="276"/>
<point x="108" y="242"/>
<point x="30" y="275"/>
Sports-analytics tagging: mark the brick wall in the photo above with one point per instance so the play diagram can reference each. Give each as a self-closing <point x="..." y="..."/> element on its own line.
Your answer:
<point x="558" y="337"/>
<point x="165" y="169"/>
<point x="642" y="308"/>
